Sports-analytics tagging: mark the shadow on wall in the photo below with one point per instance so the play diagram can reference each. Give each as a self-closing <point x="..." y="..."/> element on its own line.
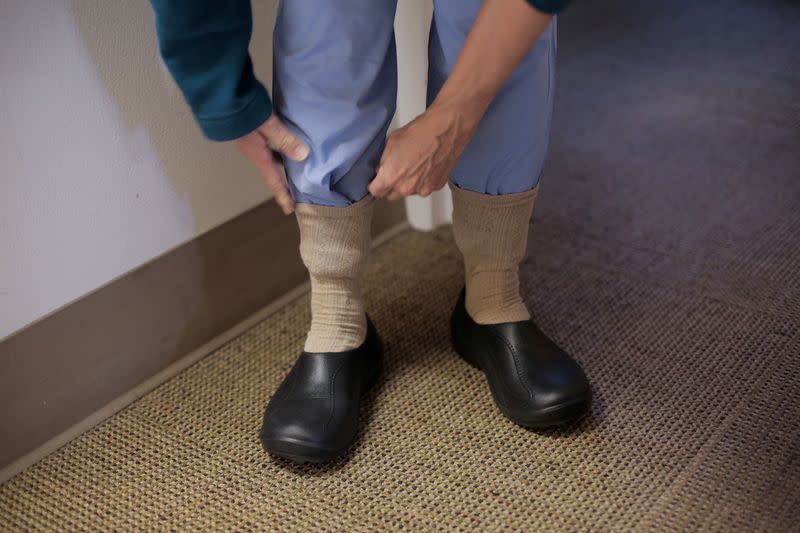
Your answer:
<point x="120" y="38"/>
<point x="212" y="177"/>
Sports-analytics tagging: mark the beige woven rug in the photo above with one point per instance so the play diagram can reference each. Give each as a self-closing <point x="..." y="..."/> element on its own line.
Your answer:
<point x="665" y="257"/>
<point x="691" y="439"/>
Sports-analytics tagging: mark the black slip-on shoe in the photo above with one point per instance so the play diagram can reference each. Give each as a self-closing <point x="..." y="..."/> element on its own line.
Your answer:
<point x="533" y="382"/>
<point x="313" y="416"/>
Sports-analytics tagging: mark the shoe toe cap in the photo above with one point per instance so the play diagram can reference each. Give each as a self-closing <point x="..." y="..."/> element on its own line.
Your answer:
<point x="304" y="431"/>
<point x="554" y="398"/>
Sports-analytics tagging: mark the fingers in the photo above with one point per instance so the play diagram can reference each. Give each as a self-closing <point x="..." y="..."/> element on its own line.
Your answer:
<point x="402" y="190"/>
<point x="254" y="147"/>
<point x="388" y="184"/>
<point x="430" y="186"/>
<point x="283" y="140"/>
<point x="394" y="190"/>
<point x="381" y="185"/>
<point x="271" y="173"/>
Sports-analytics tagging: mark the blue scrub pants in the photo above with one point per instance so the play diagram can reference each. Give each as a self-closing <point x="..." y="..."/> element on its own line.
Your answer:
<point x="335" y="85"/>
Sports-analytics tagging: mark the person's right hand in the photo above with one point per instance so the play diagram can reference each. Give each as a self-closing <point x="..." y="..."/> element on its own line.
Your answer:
<point x="258" y="147"/>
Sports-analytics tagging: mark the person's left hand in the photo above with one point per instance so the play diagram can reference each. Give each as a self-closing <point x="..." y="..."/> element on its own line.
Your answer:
<point x="419" y="156"/>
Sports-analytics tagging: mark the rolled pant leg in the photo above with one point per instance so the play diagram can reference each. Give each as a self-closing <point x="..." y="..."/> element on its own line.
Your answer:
<point x="507" y="153"/>
<point x="335" y="85"/>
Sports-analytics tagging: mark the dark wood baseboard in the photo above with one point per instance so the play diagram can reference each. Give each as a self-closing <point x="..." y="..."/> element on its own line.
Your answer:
<point x="61" y="369"/>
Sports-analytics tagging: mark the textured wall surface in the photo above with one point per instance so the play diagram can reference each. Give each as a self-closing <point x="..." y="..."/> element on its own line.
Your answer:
<point x="101" y="165"/>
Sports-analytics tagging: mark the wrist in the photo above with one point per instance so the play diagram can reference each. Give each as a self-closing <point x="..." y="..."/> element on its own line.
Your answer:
<point x="469" y="105"/>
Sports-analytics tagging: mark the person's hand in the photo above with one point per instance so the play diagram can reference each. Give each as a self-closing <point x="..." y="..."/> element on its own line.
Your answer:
<point x="419" y="156"/>
<point x="258" y="147"/>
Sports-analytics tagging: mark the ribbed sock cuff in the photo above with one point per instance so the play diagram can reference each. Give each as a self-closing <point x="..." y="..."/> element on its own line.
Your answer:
<point x="492" y="232"/>
<point x="334" y="246"/>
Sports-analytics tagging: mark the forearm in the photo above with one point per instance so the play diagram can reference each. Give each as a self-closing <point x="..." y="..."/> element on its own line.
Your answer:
<point x="503" y="33"/>
<point x="204" y="44"/>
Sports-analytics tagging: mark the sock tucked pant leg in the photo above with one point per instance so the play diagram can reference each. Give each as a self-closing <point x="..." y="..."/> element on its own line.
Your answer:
<point x="334" y="246"/>
<point x="495" y="181"/>
<point x="335" y="86"/>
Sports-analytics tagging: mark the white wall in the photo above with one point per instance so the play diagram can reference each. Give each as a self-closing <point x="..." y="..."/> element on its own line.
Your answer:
<point x="411" y="29"/>
<point x="101" y="165"/>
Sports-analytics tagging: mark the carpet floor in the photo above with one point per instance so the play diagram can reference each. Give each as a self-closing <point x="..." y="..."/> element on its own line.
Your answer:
<point x="665" y="255"/>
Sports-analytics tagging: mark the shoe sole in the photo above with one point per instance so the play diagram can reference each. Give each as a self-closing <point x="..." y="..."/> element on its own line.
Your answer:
<point x="552" y="416"/>
<point x="299" y="451"/>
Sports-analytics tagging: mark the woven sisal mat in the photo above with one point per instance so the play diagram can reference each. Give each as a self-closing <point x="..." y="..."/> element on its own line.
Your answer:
<point x="665" y="257"/>
<point x="697" y="441"/>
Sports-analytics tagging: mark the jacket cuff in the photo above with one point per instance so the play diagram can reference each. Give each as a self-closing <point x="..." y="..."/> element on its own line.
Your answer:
<point x="551" y="7"/>
<point x="240" y="123"/>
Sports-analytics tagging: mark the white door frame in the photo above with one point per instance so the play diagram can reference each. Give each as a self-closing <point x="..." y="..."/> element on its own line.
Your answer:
<point x="411" y="30"/>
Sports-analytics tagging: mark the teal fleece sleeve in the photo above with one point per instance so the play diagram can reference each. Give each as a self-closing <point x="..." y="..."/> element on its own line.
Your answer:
<point x="549" y="6"/>
<point x="204" y="44"/>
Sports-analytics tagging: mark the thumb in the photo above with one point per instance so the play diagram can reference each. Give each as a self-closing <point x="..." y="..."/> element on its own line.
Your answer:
<point x="283" y="140"/>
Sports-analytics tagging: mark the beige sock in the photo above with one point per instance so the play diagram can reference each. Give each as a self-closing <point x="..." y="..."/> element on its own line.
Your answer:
<point x="492" y="232"/>
<point x="334" y="243"/>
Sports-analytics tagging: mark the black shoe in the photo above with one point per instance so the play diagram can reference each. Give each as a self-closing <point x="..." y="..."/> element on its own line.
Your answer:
<point x="313" y="416"/>
<point x="534" y="382"/>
